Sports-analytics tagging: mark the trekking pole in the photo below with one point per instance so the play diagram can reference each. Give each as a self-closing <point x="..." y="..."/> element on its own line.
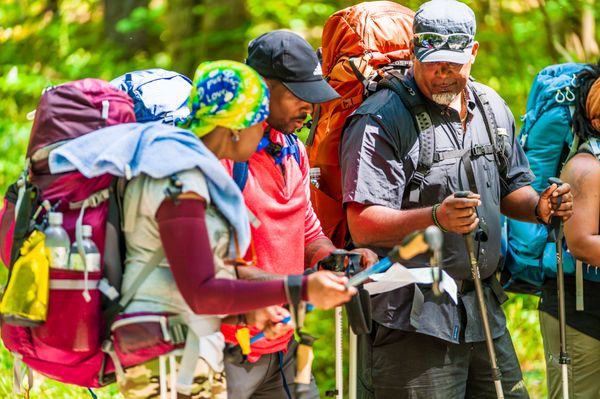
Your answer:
<point x="335" y="263"/>
<point x="354" y="266"/>
<point x="435" y="239"/>
<point x="556" y="231"/>
<point x="470" y="244"/>
<point x="339" y="353"/>
<point x="352" y="364"/>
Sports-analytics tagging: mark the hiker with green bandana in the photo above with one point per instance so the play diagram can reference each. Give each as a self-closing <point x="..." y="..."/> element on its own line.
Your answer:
<point x="198" y="218"/>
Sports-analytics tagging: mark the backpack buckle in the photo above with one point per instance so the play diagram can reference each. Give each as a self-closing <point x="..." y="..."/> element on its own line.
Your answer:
<point x="417" y="178"/>
<point x="477" y="151"/>
<point x="174" y="189"/>
<point x="178" y="333"/>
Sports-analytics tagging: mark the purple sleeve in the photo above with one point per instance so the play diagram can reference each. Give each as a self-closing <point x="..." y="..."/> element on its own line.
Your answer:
<point x="187" y="247"/>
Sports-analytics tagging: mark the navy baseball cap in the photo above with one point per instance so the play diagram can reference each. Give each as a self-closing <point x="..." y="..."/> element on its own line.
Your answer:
<point x="444" y="32"/>
<point x="287" y="57"/>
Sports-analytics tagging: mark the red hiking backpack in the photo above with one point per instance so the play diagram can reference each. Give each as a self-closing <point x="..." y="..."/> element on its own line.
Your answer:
<point x="85" y="339"/>
<point x="359" y="43"/>
<point x="67" y="346"/>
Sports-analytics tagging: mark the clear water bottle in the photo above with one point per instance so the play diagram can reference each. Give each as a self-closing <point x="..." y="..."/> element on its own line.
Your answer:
<point x="92" y="255"/>
<point x="57" y="241"/>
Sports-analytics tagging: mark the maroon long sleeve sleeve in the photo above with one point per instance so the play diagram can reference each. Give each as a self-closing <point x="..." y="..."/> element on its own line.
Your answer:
<point x="184" y="235"/>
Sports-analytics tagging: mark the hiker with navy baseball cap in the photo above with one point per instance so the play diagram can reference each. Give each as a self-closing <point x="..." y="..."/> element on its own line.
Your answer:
<point x="435" y="148"/>
<point x="275" y="185"/>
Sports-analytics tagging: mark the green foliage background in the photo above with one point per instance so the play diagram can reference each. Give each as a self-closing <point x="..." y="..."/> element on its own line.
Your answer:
<point x="46" y="42"/>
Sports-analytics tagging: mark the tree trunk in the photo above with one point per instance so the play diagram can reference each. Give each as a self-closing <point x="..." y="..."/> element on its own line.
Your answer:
<point x="550" y="35"/>
<point x="588" y="31"/>
<point x="52" y="7"/>
<point x="184" y="26"/>
<point x="224" y="29"/>
<point x="116" y="10"/>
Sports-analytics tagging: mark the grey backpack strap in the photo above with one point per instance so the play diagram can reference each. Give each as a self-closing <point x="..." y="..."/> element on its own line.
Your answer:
<point x="497" y="136"/>
<point x="418" y="109"/>
<point x="112" y="311"/>
<point x="579" y="285"/>
<point x="313" y="125"/>
<point x="152" y="264"/>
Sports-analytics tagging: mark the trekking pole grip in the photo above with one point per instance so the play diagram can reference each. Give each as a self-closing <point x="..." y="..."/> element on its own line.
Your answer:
<point x="556" y="221"/>
<point x="558" y="182"/>
<point x="464" y="194"/>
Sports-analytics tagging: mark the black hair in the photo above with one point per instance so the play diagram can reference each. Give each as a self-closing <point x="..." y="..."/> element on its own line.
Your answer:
<point x="581" y="124"/>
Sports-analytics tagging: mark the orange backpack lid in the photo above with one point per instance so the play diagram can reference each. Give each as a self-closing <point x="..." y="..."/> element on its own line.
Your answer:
<point x="382" y="29"/>
<point x="368" y="35"/>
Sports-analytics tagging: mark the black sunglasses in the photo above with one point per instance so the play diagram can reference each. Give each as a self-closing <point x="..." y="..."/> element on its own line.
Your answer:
<point x="453" y="41"/>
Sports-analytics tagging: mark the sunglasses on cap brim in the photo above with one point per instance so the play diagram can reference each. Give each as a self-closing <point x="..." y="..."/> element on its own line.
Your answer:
<point x="453" y="41"/>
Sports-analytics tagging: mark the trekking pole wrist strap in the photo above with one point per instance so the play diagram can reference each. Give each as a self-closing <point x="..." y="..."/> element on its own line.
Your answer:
<point x="537" y="215"/>
<point x="434" y="210"/>
<point x="293" y="289"/>
<point x="296" y="287"/>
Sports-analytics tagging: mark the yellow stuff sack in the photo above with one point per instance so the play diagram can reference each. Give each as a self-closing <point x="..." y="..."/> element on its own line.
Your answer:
<point x="25" y="300"/>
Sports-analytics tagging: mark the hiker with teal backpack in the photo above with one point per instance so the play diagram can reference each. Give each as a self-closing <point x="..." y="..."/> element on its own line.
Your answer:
<point x="556" y="129"/>
<point x="581" y="231"/>
<point x="435" y="147"/>
<point x="547" y="140"/>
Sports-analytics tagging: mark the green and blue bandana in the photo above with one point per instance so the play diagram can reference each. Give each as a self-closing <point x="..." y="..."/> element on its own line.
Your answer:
<point x="228" y="94"/>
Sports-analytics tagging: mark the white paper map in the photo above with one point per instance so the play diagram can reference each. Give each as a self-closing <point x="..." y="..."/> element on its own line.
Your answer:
<point x="398" y="276"/>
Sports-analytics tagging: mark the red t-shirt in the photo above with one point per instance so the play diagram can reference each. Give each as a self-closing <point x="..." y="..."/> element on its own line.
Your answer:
<point x="279" y="197"/>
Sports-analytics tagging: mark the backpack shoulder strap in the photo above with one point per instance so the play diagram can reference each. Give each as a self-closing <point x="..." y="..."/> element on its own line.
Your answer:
<point x="240" y="174"/>
<point x="590" y="146"/>
<point x="291" y="148"/>
<point x="416" y="105"/>
<point x="240" y="169"/>
<point x="314" y="122"/>
<point x="496" y="135"/>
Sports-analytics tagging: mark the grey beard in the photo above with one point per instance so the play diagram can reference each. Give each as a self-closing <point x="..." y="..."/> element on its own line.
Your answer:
<point x="444" y="98"/>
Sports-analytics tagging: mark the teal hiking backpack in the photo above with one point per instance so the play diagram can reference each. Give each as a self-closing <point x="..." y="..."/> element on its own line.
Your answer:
<point x="547" y="139"/>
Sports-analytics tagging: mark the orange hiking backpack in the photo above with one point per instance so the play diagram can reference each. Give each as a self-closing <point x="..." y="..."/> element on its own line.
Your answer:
<point x="359" y="43"/>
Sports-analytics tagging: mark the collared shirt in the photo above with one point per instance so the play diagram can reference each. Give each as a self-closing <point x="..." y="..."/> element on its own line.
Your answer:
<point x="379" y="154"/>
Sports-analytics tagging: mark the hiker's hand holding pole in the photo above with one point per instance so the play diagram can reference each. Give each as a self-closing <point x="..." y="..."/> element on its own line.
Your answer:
<point x="556" y="200"/>
<point x="368" y="258"/>
<point x="327" y="290"/>
<point x="457" y="214"/>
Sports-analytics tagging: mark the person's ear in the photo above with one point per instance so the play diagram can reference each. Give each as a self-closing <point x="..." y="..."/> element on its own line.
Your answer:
<point x="474" y="52"/>
<point x="270" y="83"/>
